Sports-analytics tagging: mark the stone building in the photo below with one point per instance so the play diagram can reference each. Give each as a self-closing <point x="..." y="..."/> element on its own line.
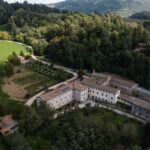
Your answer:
<point x="124" y="85"/>
<point x="100" y="92"/>
<point x="64" y="95"/>
<point x="139" y="107"/>
<point x="8" y="125"/>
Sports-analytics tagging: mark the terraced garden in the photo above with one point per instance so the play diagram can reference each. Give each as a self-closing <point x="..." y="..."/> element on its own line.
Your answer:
<point x="25" y="84"/>
<point x="49" y="71"/>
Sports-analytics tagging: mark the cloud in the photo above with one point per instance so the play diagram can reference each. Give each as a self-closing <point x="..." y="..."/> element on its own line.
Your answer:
<point x="36" y="1"/>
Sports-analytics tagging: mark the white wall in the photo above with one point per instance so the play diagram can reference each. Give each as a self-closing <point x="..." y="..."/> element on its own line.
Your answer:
<point x="61" y="100"/>
<point x="80" y="95"/>
<point x="103" y="96"/>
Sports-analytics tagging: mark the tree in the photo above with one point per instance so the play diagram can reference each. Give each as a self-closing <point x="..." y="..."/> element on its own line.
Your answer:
<point x="80" y="74"/>
<point x="18" y="142"/>
<point x="30" y="121"/>
<point x="14" y="59"/>
<point x="45" y="112"/>
<point x="22" y="53"/>
<point x="9" y="69"/>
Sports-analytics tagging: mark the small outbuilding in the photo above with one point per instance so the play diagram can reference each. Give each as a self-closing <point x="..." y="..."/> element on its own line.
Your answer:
<point x="8" y="125"/>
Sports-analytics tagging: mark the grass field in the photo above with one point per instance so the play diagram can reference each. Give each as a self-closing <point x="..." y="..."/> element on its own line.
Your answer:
<point x="7" y="48"/>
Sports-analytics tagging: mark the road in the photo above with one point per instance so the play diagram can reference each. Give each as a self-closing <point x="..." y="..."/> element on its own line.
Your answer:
<point x="32" y="99"/>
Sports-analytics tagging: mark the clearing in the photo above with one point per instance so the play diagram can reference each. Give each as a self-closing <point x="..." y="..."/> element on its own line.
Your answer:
<point x="8" y="47"/>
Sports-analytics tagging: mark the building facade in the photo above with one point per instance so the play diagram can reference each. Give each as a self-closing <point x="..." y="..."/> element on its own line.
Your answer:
<point x="101" y="87"/>
<point x="79" y="91"/>
<point x="100" y="92"/>
<point x="124" y="85"/>
<point x="57" y="98"/>
<point x="139" y="107"/>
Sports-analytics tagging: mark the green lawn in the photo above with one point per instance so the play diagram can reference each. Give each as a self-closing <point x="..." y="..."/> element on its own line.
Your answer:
<point x="7" y="48"/>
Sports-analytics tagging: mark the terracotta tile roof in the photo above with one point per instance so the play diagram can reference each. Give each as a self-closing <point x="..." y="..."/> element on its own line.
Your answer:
<point x="62" y="89"/>
<point x="93" y="83"/>
<point x="115" y="79"/>
<point x="77" y="86"/>
<point x="4" y="131"/>
<point x="54" y="93"/>
<point x="6" y="124"/>
<point x="6" y="121"/>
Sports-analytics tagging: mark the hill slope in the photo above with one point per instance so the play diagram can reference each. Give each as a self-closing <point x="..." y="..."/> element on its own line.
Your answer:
<point x="128" y="7"/>
<point x="145" y="15"/>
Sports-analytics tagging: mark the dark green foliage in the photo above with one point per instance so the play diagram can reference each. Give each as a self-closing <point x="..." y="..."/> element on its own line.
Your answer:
<point x="21" y="13"/>
<point x="49" y="71"/>
<point x="90" y="129"/>
<point x="80" y="74"/>
<point x="102" y="43"/>
<point x="17" y="142"/>
<point x="9" y="69"/>
<point x="14" y="59"/>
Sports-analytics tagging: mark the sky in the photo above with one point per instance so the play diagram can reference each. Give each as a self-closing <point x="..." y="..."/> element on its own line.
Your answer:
<point x="36" y="1"/>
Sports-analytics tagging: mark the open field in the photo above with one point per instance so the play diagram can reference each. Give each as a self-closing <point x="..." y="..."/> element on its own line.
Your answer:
<point x="7" y="48"/>
<point x="26" y="83"/>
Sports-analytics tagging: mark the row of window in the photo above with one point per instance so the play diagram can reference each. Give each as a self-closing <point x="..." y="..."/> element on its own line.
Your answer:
<point x="98" y="92"/>
<point x="103" y="95"/>
<point x="101" y="99"/>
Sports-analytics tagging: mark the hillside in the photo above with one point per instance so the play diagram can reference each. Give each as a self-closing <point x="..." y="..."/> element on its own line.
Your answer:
<point x="122" y="7"/>
<point x="145" y="15"/>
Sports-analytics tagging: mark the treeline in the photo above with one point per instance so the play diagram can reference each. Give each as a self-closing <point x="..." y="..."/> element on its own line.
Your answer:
<point x="8" y="10"/>
<point x="87" y="129"/>
<point x="101" y="43"/>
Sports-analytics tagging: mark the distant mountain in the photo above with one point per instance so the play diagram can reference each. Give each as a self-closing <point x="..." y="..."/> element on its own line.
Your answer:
<point x="123" y="7"/>
<point x="145" y="15"/>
